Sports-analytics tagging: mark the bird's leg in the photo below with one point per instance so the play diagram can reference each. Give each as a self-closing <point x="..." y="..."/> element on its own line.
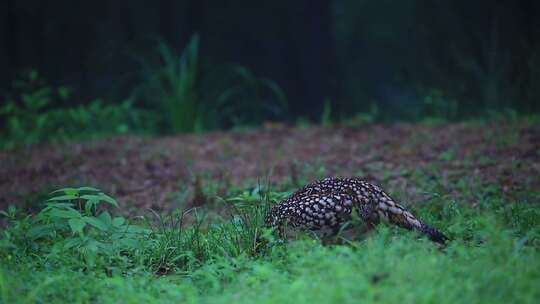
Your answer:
<point x="328" y="236"/>
<point x="369" y="216"/>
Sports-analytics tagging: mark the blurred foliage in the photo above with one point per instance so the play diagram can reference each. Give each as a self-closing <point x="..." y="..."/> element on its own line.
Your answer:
<point x="177" y="99"/>
<point x="246" y="99"/>
<point x="190" y="99"/>
<point x="32" y="115"/>
<point x="326" y="116"/>
<point x="172" y="86"/>
<point x="358" y="62"/>
<point x="442" y="60"/>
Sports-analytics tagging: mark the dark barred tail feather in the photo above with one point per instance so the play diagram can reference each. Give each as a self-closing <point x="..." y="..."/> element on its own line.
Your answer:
<point x="394" y="213"/>
<point x="397" y="215"/>
<point x="432" y="233"/>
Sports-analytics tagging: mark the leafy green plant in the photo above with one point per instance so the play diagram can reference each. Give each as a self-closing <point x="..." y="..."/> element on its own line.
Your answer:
<point x="244" y="99"/>
<point x="73" y="221"/>
<point x="98" y="118"/>
<point x="326" y="116"/>
<point x="230" y="95"/>
<point x="24" y="116"/>
<point x="34" y="115"/>
<point x="72" y="208"/>
<point x="173" y="85"/>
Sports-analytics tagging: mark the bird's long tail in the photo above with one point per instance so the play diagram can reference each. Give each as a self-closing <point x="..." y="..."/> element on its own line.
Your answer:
<point x="398" y="215"/>
<point x="432" y="233"/>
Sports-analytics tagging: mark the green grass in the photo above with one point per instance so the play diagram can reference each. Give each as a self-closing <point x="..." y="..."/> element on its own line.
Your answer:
<point x="493" y="256"/>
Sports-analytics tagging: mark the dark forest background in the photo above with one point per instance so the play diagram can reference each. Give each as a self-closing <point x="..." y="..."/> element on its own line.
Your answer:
<point x="394" y="60"/>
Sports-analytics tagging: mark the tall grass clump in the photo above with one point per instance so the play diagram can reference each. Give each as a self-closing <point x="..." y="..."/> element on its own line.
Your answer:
<point x="172" y="85"/>
<point x="193" y="99"/>
<point x="74" y="230"/>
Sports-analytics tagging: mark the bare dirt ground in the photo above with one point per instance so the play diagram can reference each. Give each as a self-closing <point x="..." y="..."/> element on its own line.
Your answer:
<point x="150" y="173"/>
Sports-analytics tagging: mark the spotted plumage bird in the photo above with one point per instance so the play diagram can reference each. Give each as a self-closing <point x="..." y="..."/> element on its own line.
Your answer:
<point x="325" y="205"/>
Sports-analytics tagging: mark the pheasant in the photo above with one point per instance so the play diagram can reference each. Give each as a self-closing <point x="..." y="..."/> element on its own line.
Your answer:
<point x="325" y="205"/>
